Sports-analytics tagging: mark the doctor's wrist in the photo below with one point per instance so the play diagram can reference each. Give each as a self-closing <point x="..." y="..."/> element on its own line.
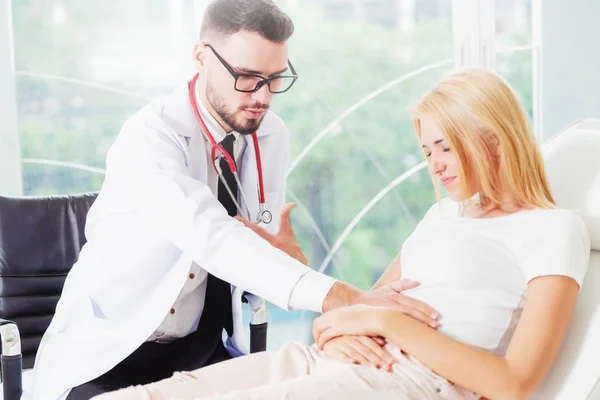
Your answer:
<point x="341" y="295"/>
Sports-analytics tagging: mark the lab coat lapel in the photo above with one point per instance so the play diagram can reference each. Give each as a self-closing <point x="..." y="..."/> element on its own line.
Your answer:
<point x="178" y="111"/>
<point x="197" y="157"/>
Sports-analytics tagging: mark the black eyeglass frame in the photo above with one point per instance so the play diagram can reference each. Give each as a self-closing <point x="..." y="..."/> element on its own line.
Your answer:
<point x="262" y="80"/>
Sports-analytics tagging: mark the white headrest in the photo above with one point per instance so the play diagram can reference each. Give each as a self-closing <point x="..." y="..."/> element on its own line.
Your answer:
<point x="572" y="160"/>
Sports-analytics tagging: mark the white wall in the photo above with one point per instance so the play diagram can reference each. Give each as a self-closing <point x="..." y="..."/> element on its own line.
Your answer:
<point x="570" y="62"/>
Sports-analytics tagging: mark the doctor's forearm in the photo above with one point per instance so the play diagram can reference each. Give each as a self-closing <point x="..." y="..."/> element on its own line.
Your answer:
<point x="472" y="368"/>
<point x="310" y="291"/>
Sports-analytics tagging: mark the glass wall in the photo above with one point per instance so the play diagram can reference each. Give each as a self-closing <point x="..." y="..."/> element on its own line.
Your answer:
<point x="516" y="49"/>
<point x="362" y="65"/>
<point x="82" y="68"/>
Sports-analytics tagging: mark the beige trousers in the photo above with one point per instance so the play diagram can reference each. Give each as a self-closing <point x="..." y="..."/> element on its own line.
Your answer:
<point x="298" y="372"/>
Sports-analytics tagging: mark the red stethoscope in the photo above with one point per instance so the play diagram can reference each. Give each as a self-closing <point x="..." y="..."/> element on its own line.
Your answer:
<point x="217" y="152"/>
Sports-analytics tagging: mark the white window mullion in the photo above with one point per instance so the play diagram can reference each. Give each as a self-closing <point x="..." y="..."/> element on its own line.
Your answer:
<point x="10" y="148"/>
<point x="487" y="33"/>
<point x="473" y="33"/>
<point x="465" y="38"/>
<point x="536" y="35"/>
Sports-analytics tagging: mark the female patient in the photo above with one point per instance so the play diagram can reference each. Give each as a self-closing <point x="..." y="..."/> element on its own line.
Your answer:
<point x="501" y="264"/>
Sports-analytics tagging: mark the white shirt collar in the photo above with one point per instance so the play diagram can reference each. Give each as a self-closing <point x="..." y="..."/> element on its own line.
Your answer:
<point x="216" y="129"/>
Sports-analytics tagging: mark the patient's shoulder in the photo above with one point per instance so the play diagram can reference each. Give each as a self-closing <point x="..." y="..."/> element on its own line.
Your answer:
<point x="556" y="221"/>
<point x="554" y="242"/>
<point x="558" y="225"/>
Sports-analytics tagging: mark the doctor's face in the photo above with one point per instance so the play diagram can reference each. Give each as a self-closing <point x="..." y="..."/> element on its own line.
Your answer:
<point x="241" y="53"/>
<point x="443" y="163"/>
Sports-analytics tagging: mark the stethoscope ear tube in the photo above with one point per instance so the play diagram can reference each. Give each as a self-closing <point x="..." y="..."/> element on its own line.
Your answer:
<point x="218" y="151"/>
<point x="233" y="198"/>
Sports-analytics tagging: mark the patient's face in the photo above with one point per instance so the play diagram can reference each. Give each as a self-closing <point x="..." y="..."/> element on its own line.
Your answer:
<point x="443" y="163"/>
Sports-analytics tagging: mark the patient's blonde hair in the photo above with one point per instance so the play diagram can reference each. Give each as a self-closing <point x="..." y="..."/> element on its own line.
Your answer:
<point x="487" y="129"/>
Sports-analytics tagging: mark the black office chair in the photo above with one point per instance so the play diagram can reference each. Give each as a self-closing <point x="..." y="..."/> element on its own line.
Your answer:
<point x="40" y="240"/>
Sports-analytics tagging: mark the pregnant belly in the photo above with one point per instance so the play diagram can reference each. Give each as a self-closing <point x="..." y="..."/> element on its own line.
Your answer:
<point x="467" y="316"/>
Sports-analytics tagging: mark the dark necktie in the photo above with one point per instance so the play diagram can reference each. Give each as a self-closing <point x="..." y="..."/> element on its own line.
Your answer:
<point x="222" y="193"/>
<point x="217" y="305"/>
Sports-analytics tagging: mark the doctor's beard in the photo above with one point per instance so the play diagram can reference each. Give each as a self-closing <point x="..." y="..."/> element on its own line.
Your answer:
<point x="247" y="126"/>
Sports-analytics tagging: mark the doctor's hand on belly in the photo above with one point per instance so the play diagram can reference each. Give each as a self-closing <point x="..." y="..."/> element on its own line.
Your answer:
<point x="285" y="240"/>
<point x="369" y="350"/>
<point x="413" y="308"/>
<point x="386" y="296"/>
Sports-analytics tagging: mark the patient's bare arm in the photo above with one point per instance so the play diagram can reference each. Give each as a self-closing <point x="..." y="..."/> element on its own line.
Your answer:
<point x="369" y="350"/>
<point x="532" y="350"/>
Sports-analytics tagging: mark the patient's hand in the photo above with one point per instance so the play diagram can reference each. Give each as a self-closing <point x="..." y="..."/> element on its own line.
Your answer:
<point x="358" y="320"/>
<point x="362" y="350"/>
<point x="285" y="240"/>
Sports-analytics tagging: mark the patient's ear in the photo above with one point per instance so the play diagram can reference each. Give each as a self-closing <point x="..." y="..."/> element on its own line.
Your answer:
<point x="496" y="145"/>
<point x="492" y="143"/>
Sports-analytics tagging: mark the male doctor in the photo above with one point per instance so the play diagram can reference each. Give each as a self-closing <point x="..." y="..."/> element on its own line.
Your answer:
<point x="162" y="273"/>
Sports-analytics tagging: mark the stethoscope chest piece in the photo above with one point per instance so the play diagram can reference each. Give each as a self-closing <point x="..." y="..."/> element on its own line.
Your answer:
<point x="266" y="217"/>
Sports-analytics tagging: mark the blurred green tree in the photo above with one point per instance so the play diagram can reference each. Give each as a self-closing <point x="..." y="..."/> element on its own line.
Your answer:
<point x="361" y="141"/>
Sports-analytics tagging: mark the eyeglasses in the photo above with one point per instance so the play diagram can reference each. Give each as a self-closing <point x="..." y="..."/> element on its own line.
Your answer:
<point x="249" y="83"/>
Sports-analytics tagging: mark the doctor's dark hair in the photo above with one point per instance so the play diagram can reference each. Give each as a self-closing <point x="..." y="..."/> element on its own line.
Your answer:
<point x="226" y="17"/>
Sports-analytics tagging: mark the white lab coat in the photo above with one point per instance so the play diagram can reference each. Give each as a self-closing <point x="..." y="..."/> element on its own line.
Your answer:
<point x="153" y="217"/>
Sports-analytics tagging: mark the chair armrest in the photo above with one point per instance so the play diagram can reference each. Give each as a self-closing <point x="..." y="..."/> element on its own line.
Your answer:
<point x="11" y="360"/>
<point x="258" y="322"/>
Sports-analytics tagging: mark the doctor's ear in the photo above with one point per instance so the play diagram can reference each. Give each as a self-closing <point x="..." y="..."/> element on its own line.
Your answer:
<point x="200" y="53"/>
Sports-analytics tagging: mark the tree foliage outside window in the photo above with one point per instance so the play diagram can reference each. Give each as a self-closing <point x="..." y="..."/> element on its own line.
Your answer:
<point x="341" y="62"/>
